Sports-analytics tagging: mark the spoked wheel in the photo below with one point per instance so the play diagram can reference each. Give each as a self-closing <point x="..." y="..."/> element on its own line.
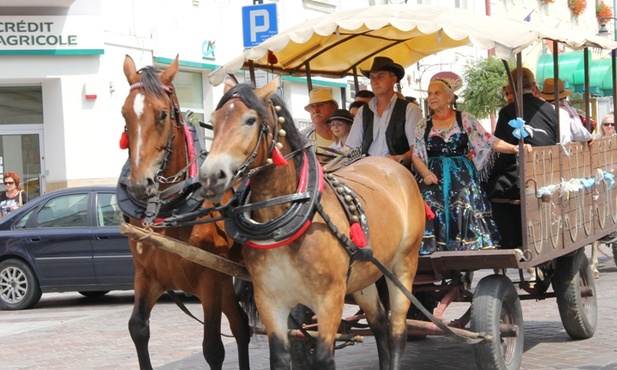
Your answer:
<point x="576" y="295"/>
<point x="496" y="311"/>
<point x="19" y="288"/>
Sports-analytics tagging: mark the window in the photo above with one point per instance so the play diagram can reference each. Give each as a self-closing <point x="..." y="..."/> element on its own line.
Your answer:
<point x="21" y="105"/>
<point x="64" y="211"/>
<point x="107" y="211"/>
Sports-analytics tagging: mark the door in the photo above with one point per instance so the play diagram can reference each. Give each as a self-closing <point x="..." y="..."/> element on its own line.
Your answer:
<point x="20" y="152"/>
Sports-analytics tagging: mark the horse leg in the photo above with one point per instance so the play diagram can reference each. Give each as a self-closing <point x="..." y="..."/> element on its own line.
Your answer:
<point x="238" y="323"/>
<point x="213" y="348"/>
<point x="329" y="313"/>
<point x="399" y="306"/>
<point x="369" y="301"/>
<point x="594" y="259"/>
<point x="147" y="292"/>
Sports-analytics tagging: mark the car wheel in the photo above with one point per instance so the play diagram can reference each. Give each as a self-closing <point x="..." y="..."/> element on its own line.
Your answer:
<point x="19" y="288"/>
<point x="94" y="294"/>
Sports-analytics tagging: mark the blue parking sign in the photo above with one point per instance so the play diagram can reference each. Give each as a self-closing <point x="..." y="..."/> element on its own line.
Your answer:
<point x="258" y="23"/>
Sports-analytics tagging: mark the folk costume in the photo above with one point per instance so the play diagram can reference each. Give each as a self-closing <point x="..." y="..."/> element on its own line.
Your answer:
<point x="463" y="219"/>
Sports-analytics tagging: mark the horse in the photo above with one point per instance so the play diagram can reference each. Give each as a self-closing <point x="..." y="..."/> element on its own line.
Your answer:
<point x="298" y="252"/>
<point x="160" y="149"/>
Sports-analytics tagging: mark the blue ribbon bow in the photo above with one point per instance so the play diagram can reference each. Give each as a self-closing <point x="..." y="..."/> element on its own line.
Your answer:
<point x="519" y="130"/>
<point x="609" y="177"/>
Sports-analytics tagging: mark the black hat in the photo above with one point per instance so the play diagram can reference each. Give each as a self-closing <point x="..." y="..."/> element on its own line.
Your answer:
<point x="385" y="64"/>
<point x="341" y="115"/>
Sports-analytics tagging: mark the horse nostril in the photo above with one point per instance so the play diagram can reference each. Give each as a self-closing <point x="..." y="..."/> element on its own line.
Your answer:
<point x="150" y="182"/>
<point x="222" y="175"/>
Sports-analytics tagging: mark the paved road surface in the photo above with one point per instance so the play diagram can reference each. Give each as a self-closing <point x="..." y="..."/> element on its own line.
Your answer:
<point x="68" y="331"/>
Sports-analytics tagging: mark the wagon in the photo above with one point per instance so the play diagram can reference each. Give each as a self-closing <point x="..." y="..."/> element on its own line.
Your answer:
<point x="567" y="195"/>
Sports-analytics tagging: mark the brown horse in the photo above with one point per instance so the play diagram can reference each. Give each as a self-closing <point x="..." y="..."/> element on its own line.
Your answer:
<point x="302" y="260"/>
<point x="159" y="158"/>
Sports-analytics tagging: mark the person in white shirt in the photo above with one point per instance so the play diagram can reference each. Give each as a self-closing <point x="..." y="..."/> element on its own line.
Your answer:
<point x="387" y="125"/>
<point x="571" y="127"/>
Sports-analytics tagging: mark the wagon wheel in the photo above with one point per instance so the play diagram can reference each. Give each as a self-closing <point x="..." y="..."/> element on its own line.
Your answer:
<point x="301" y="349"/>
<point x="496" y="307"/>
<point x="576" y="295"/>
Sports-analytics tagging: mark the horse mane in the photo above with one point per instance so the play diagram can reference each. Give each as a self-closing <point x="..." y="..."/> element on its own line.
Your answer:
<point x="247" y="94"/>
<point x="151" y="82"/>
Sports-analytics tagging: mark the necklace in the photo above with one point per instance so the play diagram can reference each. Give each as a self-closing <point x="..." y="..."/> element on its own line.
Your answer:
<point x="446" y="116"/>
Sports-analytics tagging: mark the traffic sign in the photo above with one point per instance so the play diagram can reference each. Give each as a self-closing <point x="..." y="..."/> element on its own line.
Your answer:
<point x="258" y="23"/>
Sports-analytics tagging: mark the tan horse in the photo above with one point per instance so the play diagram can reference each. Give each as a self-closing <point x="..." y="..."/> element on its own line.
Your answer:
<point x="159" y="152"/>
<point x="311" y="267"/>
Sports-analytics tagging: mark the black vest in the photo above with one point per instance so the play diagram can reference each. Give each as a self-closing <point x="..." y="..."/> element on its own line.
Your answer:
<point x="395" y="133"/>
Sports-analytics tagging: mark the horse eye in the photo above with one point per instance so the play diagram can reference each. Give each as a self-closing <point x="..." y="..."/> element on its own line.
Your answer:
<point x="251" y="121"/>
<point x="164" y="115"/>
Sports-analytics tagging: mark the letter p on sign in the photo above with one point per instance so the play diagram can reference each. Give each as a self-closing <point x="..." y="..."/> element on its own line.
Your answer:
<point x="258" y="23"/>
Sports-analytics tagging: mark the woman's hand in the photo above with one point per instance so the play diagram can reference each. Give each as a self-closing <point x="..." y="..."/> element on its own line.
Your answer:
<point x="430" y="179"/>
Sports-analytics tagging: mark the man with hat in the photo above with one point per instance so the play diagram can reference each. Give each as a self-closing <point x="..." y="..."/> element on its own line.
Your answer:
<point x="387" y="125"/>
<point x="571" y="127"/>
<point x="321" y="106"/>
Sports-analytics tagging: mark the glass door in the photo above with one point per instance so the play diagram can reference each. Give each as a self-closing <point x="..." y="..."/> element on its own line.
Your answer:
<point x="22" y="153"/>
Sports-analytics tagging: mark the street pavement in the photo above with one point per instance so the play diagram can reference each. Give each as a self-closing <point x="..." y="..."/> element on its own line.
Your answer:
<point x="67" y="331"/>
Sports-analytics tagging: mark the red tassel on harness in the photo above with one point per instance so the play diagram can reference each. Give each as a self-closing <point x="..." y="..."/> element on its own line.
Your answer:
<point x="124" y="140"/>
<point x="356" y="234"/>
<point x="277" y="158"/>
<point x="429" y="212"/>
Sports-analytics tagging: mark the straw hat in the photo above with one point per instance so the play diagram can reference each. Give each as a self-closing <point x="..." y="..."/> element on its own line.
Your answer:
<point x="320" y="96"/>
<point x="548" y="89"/>
<point x="385" y="64"/>
<point x="341" y="115"/>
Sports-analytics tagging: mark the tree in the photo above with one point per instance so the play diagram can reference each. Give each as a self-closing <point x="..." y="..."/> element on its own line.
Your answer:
<point x="485" y="79"/>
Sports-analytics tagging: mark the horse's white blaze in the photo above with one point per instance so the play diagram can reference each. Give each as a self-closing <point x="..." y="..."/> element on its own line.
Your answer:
<point x="138" y="105"/>
<point x="138" y="144"/>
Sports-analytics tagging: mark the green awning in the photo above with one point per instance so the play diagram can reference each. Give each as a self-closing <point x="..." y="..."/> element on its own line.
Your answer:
<point x="572" y="72"/>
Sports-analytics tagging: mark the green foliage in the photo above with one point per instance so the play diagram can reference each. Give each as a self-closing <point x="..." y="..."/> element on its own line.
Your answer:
<point x="485" y="79"/>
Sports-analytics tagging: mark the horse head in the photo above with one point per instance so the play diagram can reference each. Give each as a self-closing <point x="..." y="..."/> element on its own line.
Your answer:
<point x="152" y="117"/>
<point x="251" y="127"/>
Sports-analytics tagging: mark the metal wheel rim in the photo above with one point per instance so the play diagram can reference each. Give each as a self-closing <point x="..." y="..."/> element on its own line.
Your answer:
<point x="507" y="318"/>
<point x="13" y="285"/>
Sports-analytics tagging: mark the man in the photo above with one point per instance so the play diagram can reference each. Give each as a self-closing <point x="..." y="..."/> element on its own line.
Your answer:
<point x="387" y="125"/>
<point x="321" y="106"/>
<point x="364" y="96"/>
<point x="503" y="183"/>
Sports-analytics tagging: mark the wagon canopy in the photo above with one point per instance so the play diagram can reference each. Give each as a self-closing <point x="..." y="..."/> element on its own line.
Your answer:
<point x="341" y="43"/>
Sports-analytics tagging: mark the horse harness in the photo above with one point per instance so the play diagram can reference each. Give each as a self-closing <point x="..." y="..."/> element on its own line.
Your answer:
<point x="185" y="197"/>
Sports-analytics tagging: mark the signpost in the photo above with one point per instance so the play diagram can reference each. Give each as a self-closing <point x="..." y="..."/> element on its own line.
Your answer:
<point x="258" y="23"/>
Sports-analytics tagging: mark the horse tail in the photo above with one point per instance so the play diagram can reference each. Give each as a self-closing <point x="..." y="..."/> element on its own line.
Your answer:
<point x="246" y="298"/>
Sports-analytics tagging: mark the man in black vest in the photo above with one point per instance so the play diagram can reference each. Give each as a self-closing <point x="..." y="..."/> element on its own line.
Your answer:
<point x="387" y="125"/>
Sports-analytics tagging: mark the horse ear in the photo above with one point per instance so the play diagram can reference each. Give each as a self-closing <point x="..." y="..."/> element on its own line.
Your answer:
<point x="267" y="90"/>
<point x="130" y="71"/>
<point x="168" y="75"/>
<point x="229" y="83"/>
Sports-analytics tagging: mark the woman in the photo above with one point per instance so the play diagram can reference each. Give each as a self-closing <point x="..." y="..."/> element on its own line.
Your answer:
<point x="608" y="126"/>
<point x="340" y="124"/>
<point x="13" y="197"/>
<point x="450" y="180"/>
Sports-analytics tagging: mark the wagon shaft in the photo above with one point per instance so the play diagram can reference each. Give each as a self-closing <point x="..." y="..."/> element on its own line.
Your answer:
<point x="187" y="251"/>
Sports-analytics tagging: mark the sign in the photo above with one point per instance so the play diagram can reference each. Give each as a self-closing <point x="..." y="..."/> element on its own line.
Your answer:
<point x="51" y="35"/>
<point x="258" y="23"/>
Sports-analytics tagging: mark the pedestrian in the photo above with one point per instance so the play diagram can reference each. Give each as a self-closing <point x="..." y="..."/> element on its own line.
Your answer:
<point x="449" y="180"/>
<point x="607" y="126"/>
<point x="364" y="96"/>
<point x="13" y="197"/>
<point x="354" y="106"/>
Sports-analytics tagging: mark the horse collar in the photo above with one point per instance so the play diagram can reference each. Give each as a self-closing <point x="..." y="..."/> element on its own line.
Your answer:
<point x="290" y="225"/>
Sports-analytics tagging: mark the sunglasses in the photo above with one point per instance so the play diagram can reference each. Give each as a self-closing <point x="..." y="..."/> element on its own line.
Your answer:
<point x="608" y="124"/>
<point x="336" y="124"/>
<point x="9" y="182"/>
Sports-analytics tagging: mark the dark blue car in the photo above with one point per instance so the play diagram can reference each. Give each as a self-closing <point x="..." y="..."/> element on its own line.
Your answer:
<point x="66" y="240"/>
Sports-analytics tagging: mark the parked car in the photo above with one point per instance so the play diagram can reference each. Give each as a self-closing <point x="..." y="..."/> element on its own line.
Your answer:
<point x="66" y="240"/>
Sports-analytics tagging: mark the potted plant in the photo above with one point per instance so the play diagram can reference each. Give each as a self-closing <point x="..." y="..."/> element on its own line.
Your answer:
<point x="577" y="7"/>
<point x="603" y="12"/>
